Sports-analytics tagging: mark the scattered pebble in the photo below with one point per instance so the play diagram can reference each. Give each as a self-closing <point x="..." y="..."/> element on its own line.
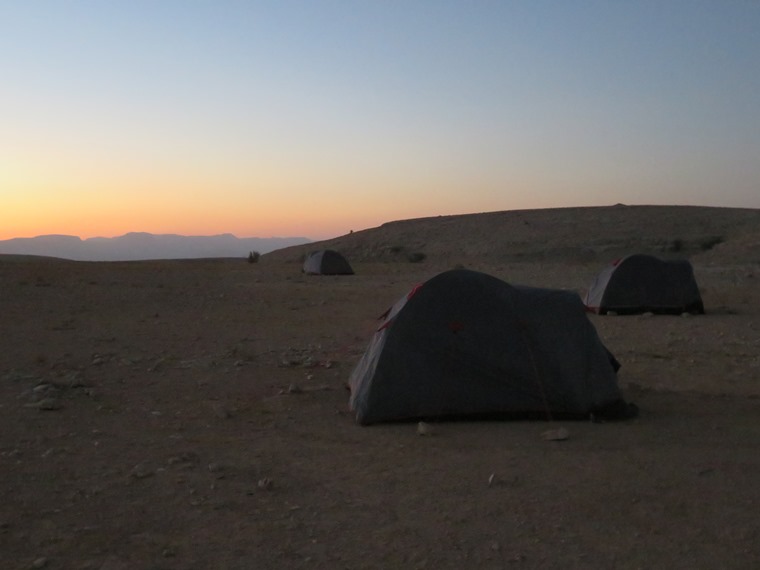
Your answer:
<point x="266" y="484"/>
<point x="46" y="404"/>
<point x="424" y="428"/>
<point x="141" y="471"/>
<point x="559" y="434"/>
<point x="221" y="411"/>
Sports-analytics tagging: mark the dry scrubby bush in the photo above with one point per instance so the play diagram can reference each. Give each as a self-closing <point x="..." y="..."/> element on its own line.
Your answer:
<point x="710" y="242"/>
<point x="676" y="245"/>
<point x="703" y="244"/>
<point x="412" y="257"/>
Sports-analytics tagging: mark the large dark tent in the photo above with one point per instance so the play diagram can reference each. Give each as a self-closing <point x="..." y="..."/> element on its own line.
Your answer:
<point x="326" y="262"/>
<point x="466" y="344"/>
<point x="643" y="283"/>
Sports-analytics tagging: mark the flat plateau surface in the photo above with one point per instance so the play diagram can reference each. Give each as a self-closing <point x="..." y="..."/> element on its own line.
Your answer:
<point x="193" y="414"/>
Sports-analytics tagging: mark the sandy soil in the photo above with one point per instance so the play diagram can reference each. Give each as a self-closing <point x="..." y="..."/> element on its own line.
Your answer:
<point x="193" y="414"/>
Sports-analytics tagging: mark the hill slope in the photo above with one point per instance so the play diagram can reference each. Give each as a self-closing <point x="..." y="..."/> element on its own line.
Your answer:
<point x="582" y="234"/>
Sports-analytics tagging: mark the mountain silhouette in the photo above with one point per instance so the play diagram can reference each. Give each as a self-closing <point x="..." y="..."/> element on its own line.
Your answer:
<point x="143" y="246"/>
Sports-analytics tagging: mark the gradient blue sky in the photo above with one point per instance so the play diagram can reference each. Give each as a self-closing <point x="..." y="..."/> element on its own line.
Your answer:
<point x="314" y="118"/>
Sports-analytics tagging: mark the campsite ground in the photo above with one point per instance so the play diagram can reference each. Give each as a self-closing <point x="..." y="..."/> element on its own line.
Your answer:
<point x="192" y="414"/>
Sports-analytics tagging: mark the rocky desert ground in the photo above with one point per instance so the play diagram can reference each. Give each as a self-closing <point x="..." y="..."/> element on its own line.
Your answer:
<point x="193" y="414"/>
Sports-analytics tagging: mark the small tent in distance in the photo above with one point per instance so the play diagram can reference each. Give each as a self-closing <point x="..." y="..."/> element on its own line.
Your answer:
<point x="642" y="283"/>
<point x="326" y="262"/>
<point x="466" y="344"/>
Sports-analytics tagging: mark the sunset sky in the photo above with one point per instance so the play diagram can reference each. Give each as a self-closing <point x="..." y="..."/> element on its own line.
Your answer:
<point x="313" y="118"/>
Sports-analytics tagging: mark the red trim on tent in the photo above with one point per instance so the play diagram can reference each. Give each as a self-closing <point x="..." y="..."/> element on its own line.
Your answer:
<point x="409" y="295"/>
<point x="414" y="291"/>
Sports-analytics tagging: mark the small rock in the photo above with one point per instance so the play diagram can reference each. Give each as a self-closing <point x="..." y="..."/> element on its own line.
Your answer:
<point x="559" y="434"/>
<point x="46" y="404"/>
<point x="186" y="459"/>
<point x="114" y="564"/>
<point x="424" y="428"/>
<point x="266" y="484"/>
<point x="294" y="389"/>
<point x="71" y="380"/>
<point x="141" y="471"/>
<point x="491" y="479"/>
<point x="40" y="562"/>
<point x="220" y="411"/>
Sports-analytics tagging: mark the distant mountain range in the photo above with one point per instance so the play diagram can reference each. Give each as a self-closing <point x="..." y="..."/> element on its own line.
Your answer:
<point x="143" y="246"/>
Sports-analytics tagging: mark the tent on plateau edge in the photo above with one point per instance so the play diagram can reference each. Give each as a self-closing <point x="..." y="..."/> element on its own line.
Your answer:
<point x="643" y="283"/>
<point x="326" y="262"/>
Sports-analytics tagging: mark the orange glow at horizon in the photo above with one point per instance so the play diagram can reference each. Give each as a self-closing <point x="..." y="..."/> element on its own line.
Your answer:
<point x="267" y="206"/>
<point x="86" y="198"/>
<point x="66" y="210"/>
